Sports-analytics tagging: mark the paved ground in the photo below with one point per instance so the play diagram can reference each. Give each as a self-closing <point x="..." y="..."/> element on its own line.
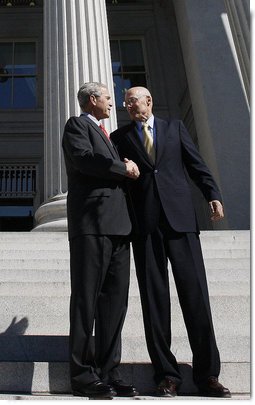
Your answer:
<point x="11" y="397"/>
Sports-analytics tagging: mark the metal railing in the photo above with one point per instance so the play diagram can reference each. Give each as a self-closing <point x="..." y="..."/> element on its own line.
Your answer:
<point x="17" y="181"/>
<point x="18" y="3"/>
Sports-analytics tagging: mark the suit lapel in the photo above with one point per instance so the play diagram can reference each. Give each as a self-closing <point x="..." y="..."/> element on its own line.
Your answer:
<point x="103" y="136"/>
<point x="134" y="139"/>
<point x="161" y="130"/>
<point x="116" y="150"/>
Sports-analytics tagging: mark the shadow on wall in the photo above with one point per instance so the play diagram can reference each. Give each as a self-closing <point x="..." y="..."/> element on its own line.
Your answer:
<point x="20" y="352"/>
<point x="18" y="378"/>
<point x="16" y="346"/>
<point x="16" y="328"/>
<point x="141" y="375"/>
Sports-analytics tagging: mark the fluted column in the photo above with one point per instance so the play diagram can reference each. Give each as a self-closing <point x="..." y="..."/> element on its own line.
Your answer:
<point x="239" y="18"/>
<point x="76" y="50"/>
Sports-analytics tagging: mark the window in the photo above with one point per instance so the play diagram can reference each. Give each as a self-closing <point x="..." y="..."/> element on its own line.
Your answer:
<point x="17" y="75"/>
<point x="127" y="65"/>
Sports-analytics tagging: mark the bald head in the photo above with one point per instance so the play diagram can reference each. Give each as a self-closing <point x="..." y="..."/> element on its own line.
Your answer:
<point x="139" y="103"/>
<point x="139" y="91"/>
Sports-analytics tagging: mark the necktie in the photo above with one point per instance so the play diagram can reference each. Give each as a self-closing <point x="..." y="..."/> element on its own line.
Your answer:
<point x="148" y="141"/>
<point x="104" y="131"/>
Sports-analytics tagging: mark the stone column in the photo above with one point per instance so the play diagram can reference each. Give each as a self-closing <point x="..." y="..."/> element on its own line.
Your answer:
<point x="76" y="50"/>
<point x="219" y="102"/>
<point x="239" y="20"/>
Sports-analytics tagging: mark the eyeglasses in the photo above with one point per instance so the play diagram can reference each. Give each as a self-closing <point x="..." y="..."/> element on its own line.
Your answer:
<point x="132" y="100"/>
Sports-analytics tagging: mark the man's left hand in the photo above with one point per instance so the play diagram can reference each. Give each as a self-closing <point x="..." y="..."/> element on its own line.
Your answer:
<point x="216" y="210"/>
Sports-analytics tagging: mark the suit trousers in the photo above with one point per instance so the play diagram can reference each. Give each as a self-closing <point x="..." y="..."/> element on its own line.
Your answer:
<point x="100" y="268"/>
<point x="151" y="254"/>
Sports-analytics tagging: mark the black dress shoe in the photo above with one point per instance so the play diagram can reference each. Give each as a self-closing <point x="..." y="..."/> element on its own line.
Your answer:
<point x="212" y="388"/>
<point x="95" y="389"/>
<point x="123" y="389"/>
<point x="167" y="388"/>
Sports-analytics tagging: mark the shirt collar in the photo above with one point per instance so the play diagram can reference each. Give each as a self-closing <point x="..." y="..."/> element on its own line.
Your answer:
<point x="91" y="117"/>
<point x="150" y="122"/>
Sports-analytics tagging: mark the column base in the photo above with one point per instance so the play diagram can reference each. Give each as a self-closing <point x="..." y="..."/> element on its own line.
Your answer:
<point x="51" y="216"/>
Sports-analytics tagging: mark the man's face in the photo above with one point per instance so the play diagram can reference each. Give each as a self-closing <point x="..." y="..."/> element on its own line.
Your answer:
<point x="138" y="105"/>
<point x="102" y="104"/>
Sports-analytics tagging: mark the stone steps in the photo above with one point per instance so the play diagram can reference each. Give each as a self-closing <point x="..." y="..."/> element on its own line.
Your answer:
<point x="53" y="377"/>
<point x="34" y="324"/>
<point x="62" y="275"/>
<point x="51" y="288"/>
<point x="54" y="348"/>
<point x="58" y="235"/>
<point x="23" y="254"/>
<point x="60" y="263"/>
<point x="49" y="315"/>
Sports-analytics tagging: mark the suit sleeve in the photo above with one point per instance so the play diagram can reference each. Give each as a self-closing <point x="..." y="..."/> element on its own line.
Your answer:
<point x="79" y="149"/>
<point x="196" y="167"/>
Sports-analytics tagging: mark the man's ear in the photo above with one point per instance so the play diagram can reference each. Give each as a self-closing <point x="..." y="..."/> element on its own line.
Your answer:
<point x="92" y="99"/>
<point x="149" y="100"/>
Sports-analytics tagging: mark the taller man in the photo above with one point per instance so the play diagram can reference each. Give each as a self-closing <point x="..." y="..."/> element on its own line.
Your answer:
<point x="165" y="227"/>
<point x="98" y="228"/>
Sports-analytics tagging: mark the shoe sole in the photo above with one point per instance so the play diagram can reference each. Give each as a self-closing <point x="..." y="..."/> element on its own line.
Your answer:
<point x="159" y="394"/>
<point x="211" y="395"/>
<point x="133" y="394"/>
<point x="79" y="394"/>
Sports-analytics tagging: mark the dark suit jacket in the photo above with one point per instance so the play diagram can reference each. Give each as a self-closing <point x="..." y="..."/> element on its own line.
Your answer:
<point x="165" y="183"/>
<point x="96" y="202"/>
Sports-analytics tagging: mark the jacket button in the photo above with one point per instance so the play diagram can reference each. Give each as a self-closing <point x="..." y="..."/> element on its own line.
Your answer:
<point x="155" y="171"/>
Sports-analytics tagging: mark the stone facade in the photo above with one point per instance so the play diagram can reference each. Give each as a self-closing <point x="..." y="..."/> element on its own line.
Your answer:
<point x="197" y="68"/>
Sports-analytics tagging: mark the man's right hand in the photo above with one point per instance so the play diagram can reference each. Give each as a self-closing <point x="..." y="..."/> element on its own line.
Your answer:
<point x="132" y="169"/>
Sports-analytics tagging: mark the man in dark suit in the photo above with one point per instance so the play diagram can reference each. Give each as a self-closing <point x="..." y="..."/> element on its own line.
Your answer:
<point x="165" y="227"/>
<point x="98" y="228"/>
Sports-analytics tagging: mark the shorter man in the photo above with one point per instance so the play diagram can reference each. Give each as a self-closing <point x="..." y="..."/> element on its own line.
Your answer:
<point x="98" y="228"/>
<point x="166" y="228"/>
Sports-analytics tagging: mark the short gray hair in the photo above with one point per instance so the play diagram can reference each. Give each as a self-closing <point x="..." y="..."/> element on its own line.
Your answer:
<point x="87" y="90"/>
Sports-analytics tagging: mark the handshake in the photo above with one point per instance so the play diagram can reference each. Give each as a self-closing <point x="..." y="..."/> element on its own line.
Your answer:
<point x="132" y="169"/>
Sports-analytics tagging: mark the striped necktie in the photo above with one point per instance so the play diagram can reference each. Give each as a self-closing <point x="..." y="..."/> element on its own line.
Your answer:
<point x="148" y="141"/>
<point x="104" y="131"/>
